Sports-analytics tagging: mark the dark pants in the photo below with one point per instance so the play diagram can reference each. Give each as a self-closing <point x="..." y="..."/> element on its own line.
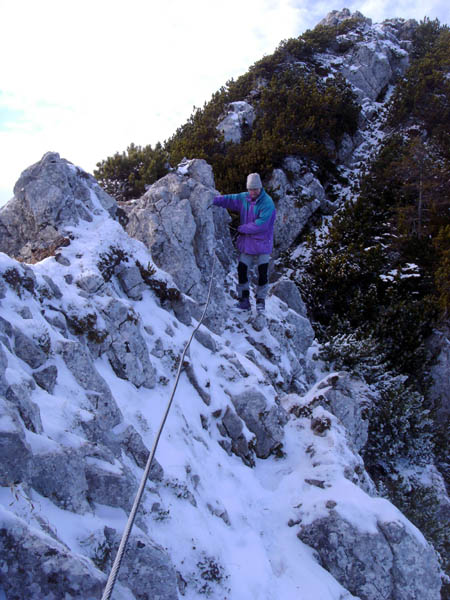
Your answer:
<point x="262" y="262"/>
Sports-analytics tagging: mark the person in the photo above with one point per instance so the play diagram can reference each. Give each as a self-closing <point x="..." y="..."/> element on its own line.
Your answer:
<point x="255" y="241"/>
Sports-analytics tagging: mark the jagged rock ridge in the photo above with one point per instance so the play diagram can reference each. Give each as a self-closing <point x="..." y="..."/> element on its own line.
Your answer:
<point x="260" y="452"/>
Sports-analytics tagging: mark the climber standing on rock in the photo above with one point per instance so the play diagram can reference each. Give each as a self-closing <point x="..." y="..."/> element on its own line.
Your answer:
<point x="255" y="241"/>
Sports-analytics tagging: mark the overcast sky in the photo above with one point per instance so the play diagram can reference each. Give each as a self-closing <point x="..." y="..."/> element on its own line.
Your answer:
<point x="86" y="79"/>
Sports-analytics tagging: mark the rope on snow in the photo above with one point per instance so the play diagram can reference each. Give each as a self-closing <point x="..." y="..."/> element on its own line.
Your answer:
<point x="126" y="534"/>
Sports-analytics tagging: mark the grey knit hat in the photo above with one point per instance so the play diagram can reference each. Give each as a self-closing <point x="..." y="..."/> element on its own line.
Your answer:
<point x="254" y="182"/>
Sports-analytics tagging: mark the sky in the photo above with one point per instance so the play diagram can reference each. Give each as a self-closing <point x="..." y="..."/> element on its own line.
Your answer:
<point x="86" y="79"/>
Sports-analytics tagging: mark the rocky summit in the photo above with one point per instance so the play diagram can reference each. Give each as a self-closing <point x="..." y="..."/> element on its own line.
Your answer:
<point x="259" y="488"/>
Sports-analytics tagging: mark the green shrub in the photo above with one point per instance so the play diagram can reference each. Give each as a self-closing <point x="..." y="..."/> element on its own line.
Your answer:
<point x="126" y="175"/>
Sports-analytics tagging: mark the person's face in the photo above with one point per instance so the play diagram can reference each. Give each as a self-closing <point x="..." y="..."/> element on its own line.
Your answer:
<point x="254" y="193"/>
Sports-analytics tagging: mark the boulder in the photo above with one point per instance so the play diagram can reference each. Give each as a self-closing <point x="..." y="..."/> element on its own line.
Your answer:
<point x="27" y="350"/>
<point x="19" y="395"/>
<point x="48" y="197"/>
<point x="264" y="422"/>
<point x="35" y="566"/>
<point x="232" y="427"/>
<point x="387" y="563"/>
<point x="60" y="476"/>
<point x="239" y="115"/>
<point x="146" y="567"/>
<point x="297" y="199"/>
<point x="110" y="484"/>
<point x="79" y="363"/>
<point x="127" y="352"/>
<point x="350" y="400"/>
<point x="15" y="451"/>
<point x="46" y="378"/>
<point x="286" y="290"/>
<point x="3" y="366"/>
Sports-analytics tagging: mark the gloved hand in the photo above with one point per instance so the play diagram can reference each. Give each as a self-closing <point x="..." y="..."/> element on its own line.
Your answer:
<point x="241" y="229"/>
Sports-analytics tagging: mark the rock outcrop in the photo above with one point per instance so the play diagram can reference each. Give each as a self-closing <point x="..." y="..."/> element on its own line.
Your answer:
<point x="240" y="115"/>
<point x="174" y="221"/>
<point x="387" y="562"/>
<point x="49" y="196"/>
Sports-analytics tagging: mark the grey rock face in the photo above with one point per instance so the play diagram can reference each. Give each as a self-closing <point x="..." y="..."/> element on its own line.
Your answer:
<point x="132" y="443"/>
<point x="296" y="329"/>
<point x="78" y="361"/>
<point x="110" y="484"/>
<point x="232" y="427"/>
<point x="439" y="343"/>
<point x="19" y="394"/>
<point x="131" y="281"/>
<point x="286" y="290"/>
<point x="28" y="350"/>
<point x="239" y="115"/>
<point x="48" y="196"/>
<point x="35" y="566"/>
<point x="389" y="563"/>
<point x="266" y="423"/>
<point x="172" y="219"/>
<point x="60" y="476"/>
<point x="3" y="366"/>
<point x="128" y="352"/>
<point x="14" y="449"/>
<point x="296" y="198"/>
<point x="349" y="399"/>
<point x="46" y="378"/>
<point x="146" y="568"/>
<point x="335" y="17"/>
<point x="370" y="67"/>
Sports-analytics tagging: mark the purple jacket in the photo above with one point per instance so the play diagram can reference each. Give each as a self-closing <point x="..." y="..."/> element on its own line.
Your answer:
<point x="257" y="220"/>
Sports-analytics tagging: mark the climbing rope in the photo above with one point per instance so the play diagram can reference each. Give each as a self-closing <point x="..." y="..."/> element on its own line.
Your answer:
<point x="126" y="534"/>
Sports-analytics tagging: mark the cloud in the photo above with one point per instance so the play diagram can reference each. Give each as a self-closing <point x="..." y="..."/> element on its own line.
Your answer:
<point x="87" y="79"/>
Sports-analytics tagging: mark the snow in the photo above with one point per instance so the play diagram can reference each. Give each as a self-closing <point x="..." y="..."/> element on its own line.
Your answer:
<point x="260" y="555"/>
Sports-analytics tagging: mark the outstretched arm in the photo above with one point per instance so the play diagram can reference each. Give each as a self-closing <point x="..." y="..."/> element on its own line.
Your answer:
<point x="231" y="201"/>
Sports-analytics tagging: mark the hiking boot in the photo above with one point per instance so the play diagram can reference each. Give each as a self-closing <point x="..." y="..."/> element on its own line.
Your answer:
<point x="260" y="305"/>
<point x="244" y="303"/>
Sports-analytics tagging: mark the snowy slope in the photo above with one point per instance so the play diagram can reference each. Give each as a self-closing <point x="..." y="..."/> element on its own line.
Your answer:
<point x="230" y="530"/>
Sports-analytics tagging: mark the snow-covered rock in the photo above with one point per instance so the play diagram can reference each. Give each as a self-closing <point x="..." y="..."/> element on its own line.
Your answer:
<point x="297" y="198"/>
<point x="49" y="198"/>
<point x="172" y="219"/>
<point x="239" y="115"/>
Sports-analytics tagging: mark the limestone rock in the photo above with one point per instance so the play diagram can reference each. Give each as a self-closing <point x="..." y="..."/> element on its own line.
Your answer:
<point x="297" y="199"/>
<point x="78" y="361"/>
<point x="15" y="451"/>
<point x="35" y="566"/>
<point x="19" y="394"/>
<point x="387" y="563"/>
<point x="336" y="17"/>
<point x="146" y="568"/>
<point x="172" y="219"/>
<point x="48" y="197"/>
<point x="233" y="427"/>
<point x="349" y="399"/>
<point x="128" y="352"/>
<point x="27" y="350"/>
<point x="131" y="281"/>
<point x="60" y="476"/>
<point x="239" y="115"/>
<point x="286" y="290"/>
<point x="3" y="366"/>
<point x="266" y="423"/>
<point x="113" y="485"/>
<point x="46" y="378"/>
